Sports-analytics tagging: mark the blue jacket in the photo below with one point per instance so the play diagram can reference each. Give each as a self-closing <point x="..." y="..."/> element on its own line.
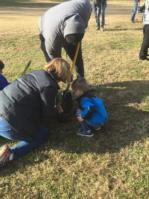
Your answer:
<point x="93" y="110"/>
<point x="3" y="82"/>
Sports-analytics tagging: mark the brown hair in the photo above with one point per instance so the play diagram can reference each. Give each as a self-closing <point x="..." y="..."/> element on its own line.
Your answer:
<point x="81" y="84"/>
<point x="2" y="65"/>
<point x="61" y="68"/>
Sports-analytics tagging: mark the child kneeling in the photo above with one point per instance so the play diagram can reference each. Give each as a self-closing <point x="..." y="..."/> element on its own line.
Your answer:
<point x="91" y="113"/>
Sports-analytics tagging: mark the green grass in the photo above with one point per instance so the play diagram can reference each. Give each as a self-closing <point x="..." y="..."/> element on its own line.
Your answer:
<point x="115" y="162"/>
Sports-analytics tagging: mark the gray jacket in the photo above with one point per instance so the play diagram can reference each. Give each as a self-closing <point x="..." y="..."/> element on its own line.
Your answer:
<point x="146" y="13"/>
<point x="27" y="101"/>
<point x="58" y="21"/>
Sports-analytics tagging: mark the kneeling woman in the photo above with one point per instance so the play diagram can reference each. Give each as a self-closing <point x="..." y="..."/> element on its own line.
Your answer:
<point x="25" y="104"/>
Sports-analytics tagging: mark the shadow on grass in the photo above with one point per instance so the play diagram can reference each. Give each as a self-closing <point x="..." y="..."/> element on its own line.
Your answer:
<point x="127" y="104"/>
<point x="128" y="120"/>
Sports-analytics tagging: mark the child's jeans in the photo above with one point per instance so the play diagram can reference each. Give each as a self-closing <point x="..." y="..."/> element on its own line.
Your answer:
<point x="84" y="125"/>
<point x="23" y="146"/>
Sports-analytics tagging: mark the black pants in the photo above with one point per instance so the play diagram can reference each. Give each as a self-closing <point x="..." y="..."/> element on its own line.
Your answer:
<point x="70" y="50"/>
<point x="145" y="43"/>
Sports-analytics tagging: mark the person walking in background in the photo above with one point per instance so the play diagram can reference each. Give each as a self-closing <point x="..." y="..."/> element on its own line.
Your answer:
<point x="134" y="10"/>
<point x="3" y="80"/>
<point x="99" y="7"/>
<point x="27" y="105"/>
<point x="145" y="44"/>
<point x="64" y="26"/>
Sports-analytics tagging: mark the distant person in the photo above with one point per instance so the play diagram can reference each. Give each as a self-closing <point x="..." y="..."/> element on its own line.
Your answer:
<point x="27" y="105"/>
<point x="3" y="80"/>
<point x="145" y="44"/>
<point x="99" y="7"/>
<point x="64" y="26"/>
<point x="91" y="113"/>
<point x="134" y="10"/>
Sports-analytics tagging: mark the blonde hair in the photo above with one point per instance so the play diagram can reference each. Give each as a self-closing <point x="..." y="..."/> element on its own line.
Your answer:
<point x="81" y="84"/>
<point x="61" y="68"/>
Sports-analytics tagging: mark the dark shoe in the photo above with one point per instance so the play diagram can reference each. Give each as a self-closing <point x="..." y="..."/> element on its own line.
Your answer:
<point x="87" y="133"/>
<point x="85" y="130"/>
<point x="143" y="57"/>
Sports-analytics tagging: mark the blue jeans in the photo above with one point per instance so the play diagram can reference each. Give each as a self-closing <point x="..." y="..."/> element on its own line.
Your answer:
<point x="84" y="125"/>
<point x="99" y="11"/>
<point x="24" y="145"/>
<point x="134" y="10"/>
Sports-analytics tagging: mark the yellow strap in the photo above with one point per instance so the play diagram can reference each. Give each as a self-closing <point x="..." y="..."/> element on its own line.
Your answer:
<point x="75" y="58"/>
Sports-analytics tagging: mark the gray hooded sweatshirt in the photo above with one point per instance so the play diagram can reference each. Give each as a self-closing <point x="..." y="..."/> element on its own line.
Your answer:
<point x="66" y="18"/>
<point x="146" y="13"/>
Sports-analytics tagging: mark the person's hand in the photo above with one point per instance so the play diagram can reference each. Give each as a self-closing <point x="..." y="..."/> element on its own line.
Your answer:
<point x="80" y="119"/>
<point x="78" y="112"/>
<point x="59" y="108"/>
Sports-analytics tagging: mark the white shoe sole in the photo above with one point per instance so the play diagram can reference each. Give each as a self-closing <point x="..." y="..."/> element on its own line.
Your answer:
<point x="85" y="135"/>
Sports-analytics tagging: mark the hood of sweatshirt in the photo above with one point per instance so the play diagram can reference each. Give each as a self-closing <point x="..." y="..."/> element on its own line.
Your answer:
<point x="73" y="25"/>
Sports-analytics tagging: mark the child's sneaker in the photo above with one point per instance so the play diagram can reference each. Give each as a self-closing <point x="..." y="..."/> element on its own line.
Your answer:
<point x="97" y="128"/>
<point x="5" y="155"/>
<point x="87" y="133"/>
<point x="85" y="130"/>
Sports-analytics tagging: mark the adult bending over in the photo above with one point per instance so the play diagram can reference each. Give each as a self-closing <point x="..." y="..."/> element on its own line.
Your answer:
<point x="64" y="26"/>
<point x="26" y="104"/>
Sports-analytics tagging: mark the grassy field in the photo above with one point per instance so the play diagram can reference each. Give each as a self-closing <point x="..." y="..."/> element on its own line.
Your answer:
<point x="114" y="164"/>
